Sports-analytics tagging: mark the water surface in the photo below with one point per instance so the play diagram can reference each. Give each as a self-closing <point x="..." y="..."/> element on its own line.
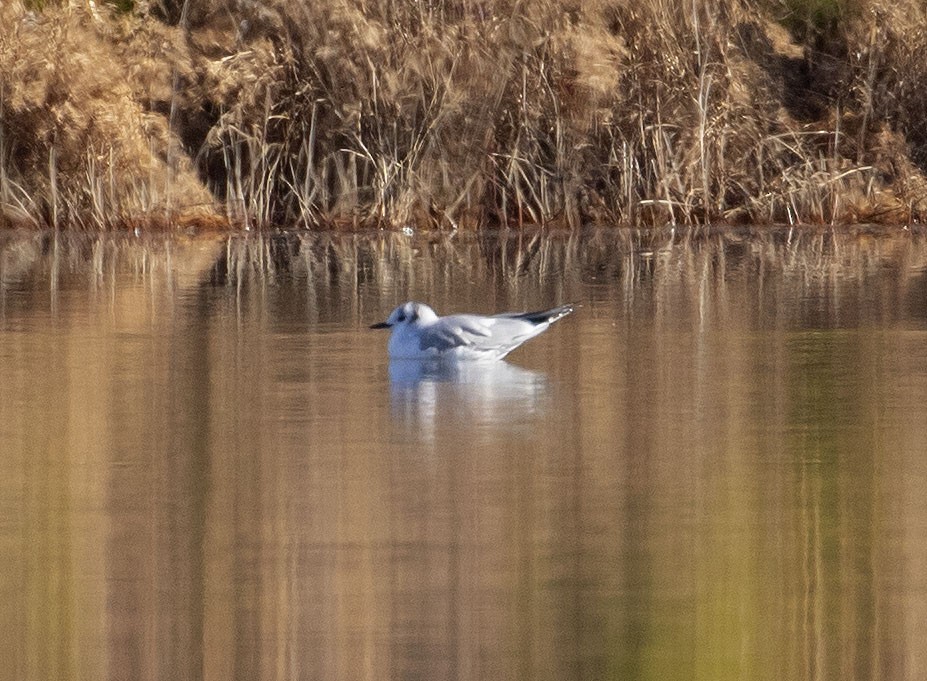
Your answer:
<point x="714" y="469"/>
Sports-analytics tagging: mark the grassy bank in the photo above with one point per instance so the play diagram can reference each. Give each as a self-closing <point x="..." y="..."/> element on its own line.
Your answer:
<point x="461" y="113"/>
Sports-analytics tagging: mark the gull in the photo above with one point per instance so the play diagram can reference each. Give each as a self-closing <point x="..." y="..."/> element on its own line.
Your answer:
<point x="419" y="333"/>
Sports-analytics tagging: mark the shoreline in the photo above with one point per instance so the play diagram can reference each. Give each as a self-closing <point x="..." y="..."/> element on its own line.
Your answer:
<point x="383" y="115"/>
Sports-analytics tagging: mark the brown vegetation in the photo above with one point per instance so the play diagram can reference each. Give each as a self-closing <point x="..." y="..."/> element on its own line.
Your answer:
<point x="458" y="113"/>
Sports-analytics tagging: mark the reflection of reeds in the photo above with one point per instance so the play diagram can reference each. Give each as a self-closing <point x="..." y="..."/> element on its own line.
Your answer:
<point x="458" y="113"/>
<point x="200" y="407"/>
<point x="829" y="270"/>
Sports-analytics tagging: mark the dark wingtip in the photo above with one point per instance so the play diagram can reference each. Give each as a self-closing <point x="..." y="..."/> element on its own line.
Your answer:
<point x="546" y="316"/>
<point x="560" y="312"/>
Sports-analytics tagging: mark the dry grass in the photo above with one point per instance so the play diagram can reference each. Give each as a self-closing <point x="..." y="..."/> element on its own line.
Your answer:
<point x="79" y="141"/>
<point x="462" y="113"/>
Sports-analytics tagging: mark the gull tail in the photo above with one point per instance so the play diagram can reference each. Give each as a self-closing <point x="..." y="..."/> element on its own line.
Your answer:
<point x="543" y="316"/>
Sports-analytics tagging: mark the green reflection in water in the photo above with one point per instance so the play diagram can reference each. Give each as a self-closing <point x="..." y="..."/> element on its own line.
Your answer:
<point x="203" y="471"/>
<point x="836" y="410"/>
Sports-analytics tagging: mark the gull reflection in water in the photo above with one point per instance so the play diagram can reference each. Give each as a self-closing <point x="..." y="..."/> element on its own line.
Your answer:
<point x="485" y="395"/>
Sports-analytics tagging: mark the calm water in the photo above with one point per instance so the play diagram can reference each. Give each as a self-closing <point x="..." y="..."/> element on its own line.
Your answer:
<point x="715" y="469"/>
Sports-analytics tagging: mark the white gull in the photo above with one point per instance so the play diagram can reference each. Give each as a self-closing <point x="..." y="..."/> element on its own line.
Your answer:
<point x="419" y="333"/>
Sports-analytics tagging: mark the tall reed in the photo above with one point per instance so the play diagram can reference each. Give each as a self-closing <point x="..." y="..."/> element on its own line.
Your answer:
<point x="461" y="113"/>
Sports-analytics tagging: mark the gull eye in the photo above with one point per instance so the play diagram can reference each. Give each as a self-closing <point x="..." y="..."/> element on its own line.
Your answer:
<point x="401" y="317"/>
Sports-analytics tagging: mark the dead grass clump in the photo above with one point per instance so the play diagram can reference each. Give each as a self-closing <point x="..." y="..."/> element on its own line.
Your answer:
<point x="888" y="48"/>
<point x="462" y="113"/>
<point x="76" y="145"/>
<point x="458" y="113"/>
<point x="364" y="117"/>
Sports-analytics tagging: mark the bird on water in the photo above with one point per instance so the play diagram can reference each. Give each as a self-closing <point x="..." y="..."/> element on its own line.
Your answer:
<point x="419" y="333"/>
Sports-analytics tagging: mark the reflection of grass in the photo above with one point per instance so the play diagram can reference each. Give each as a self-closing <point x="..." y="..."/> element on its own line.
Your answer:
<point x="831" y="269"/>
<point x="836" y="452"/>
<point x="459" y="113"/>
<point x="770" y="525"/>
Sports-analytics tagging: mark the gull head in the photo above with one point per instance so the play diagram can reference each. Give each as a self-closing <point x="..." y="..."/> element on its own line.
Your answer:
<point x="411" y="313"/>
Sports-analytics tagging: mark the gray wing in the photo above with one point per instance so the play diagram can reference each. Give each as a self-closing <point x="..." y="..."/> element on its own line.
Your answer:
<point x="454" y="332"/>
<point x="540" y="317"/>
<point x="480" y="333"/>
